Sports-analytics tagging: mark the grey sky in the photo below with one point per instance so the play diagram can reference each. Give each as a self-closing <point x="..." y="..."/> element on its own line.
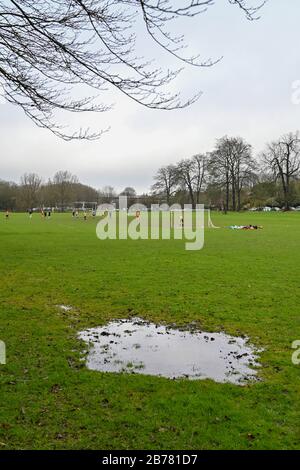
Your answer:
<point x="247" y="94"/>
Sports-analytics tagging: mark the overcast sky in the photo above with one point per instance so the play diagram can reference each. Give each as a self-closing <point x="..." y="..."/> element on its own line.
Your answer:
<point x="249" y="93"/>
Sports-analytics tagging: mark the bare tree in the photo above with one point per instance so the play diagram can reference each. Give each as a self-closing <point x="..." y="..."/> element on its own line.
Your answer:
<point x="232" y="167"/>
<point x="190" y="175"/>
<point x="106" y="194"/>
<point x="242" y="167"/>
<point x="108" y="191"/>
<point x="30" y="186"/>
<point x="165" y="182"/>
<point x="219" y="172"/>
<point x="50" y="47"/>
<point x="283" y="159"/>
<point x="63" y="182"/>
<point x="200" y="167"/>
<point x="185" y="178"/>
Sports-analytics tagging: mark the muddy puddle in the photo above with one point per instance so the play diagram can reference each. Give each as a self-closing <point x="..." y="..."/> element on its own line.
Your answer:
<point x="137" y="346"/>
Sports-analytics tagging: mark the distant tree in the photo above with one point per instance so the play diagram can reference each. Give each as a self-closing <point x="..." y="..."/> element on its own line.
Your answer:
<point x="214" y="196"/>
<point x="84" y="193"/>
<point x="190" y="174"/>
<point x="200" y="174"/>
<point x="63" y="182"/>
<point x="165" y="182"/>
<point x="106" y="193"/>
<point x="282" y="158"/>
<point x="48" y="194"/>
<point x="128" y="191"/>
<point x="264" y="193"/>
<point x="231" y="166"/>
<point x="297" y="192"/>
<point x="30" y="186"/>
<point x="49" y="48"/>
<point x="131" y="195"/>
<point x="185" y="178"/>
<point x="8" y="195"/>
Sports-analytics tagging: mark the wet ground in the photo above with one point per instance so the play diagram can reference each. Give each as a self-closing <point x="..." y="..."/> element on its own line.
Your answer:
<point x="65" y="308"/>
<point x="137" y="346"/>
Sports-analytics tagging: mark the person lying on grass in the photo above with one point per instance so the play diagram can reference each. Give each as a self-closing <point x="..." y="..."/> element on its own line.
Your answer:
<point x="245" y="227"/>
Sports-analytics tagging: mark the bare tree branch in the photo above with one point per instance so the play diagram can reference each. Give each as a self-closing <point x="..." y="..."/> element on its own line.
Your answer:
<point x="53" y="50"/>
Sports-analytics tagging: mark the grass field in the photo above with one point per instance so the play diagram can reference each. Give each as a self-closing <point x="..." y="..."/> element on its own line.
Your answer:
<point x="241" y="283"/>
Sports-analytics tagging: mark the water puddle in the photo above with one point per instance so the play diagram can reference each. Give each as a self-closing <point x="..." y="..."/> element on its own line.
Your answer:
<point x="137" y="346"/>
<point x="65" y="308"/>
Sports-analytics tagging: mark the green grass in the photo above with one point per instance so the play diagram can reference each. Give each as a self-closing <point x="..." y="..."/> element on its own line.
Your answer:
<point x="240" y="283"/>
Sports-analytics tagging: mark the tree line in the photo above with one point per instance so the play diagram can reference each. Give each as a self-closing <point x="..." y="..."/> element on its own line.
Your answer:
<point x="62" y="192"/>
<point x="227" y="178"/>
<point x="230" y="178"/>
